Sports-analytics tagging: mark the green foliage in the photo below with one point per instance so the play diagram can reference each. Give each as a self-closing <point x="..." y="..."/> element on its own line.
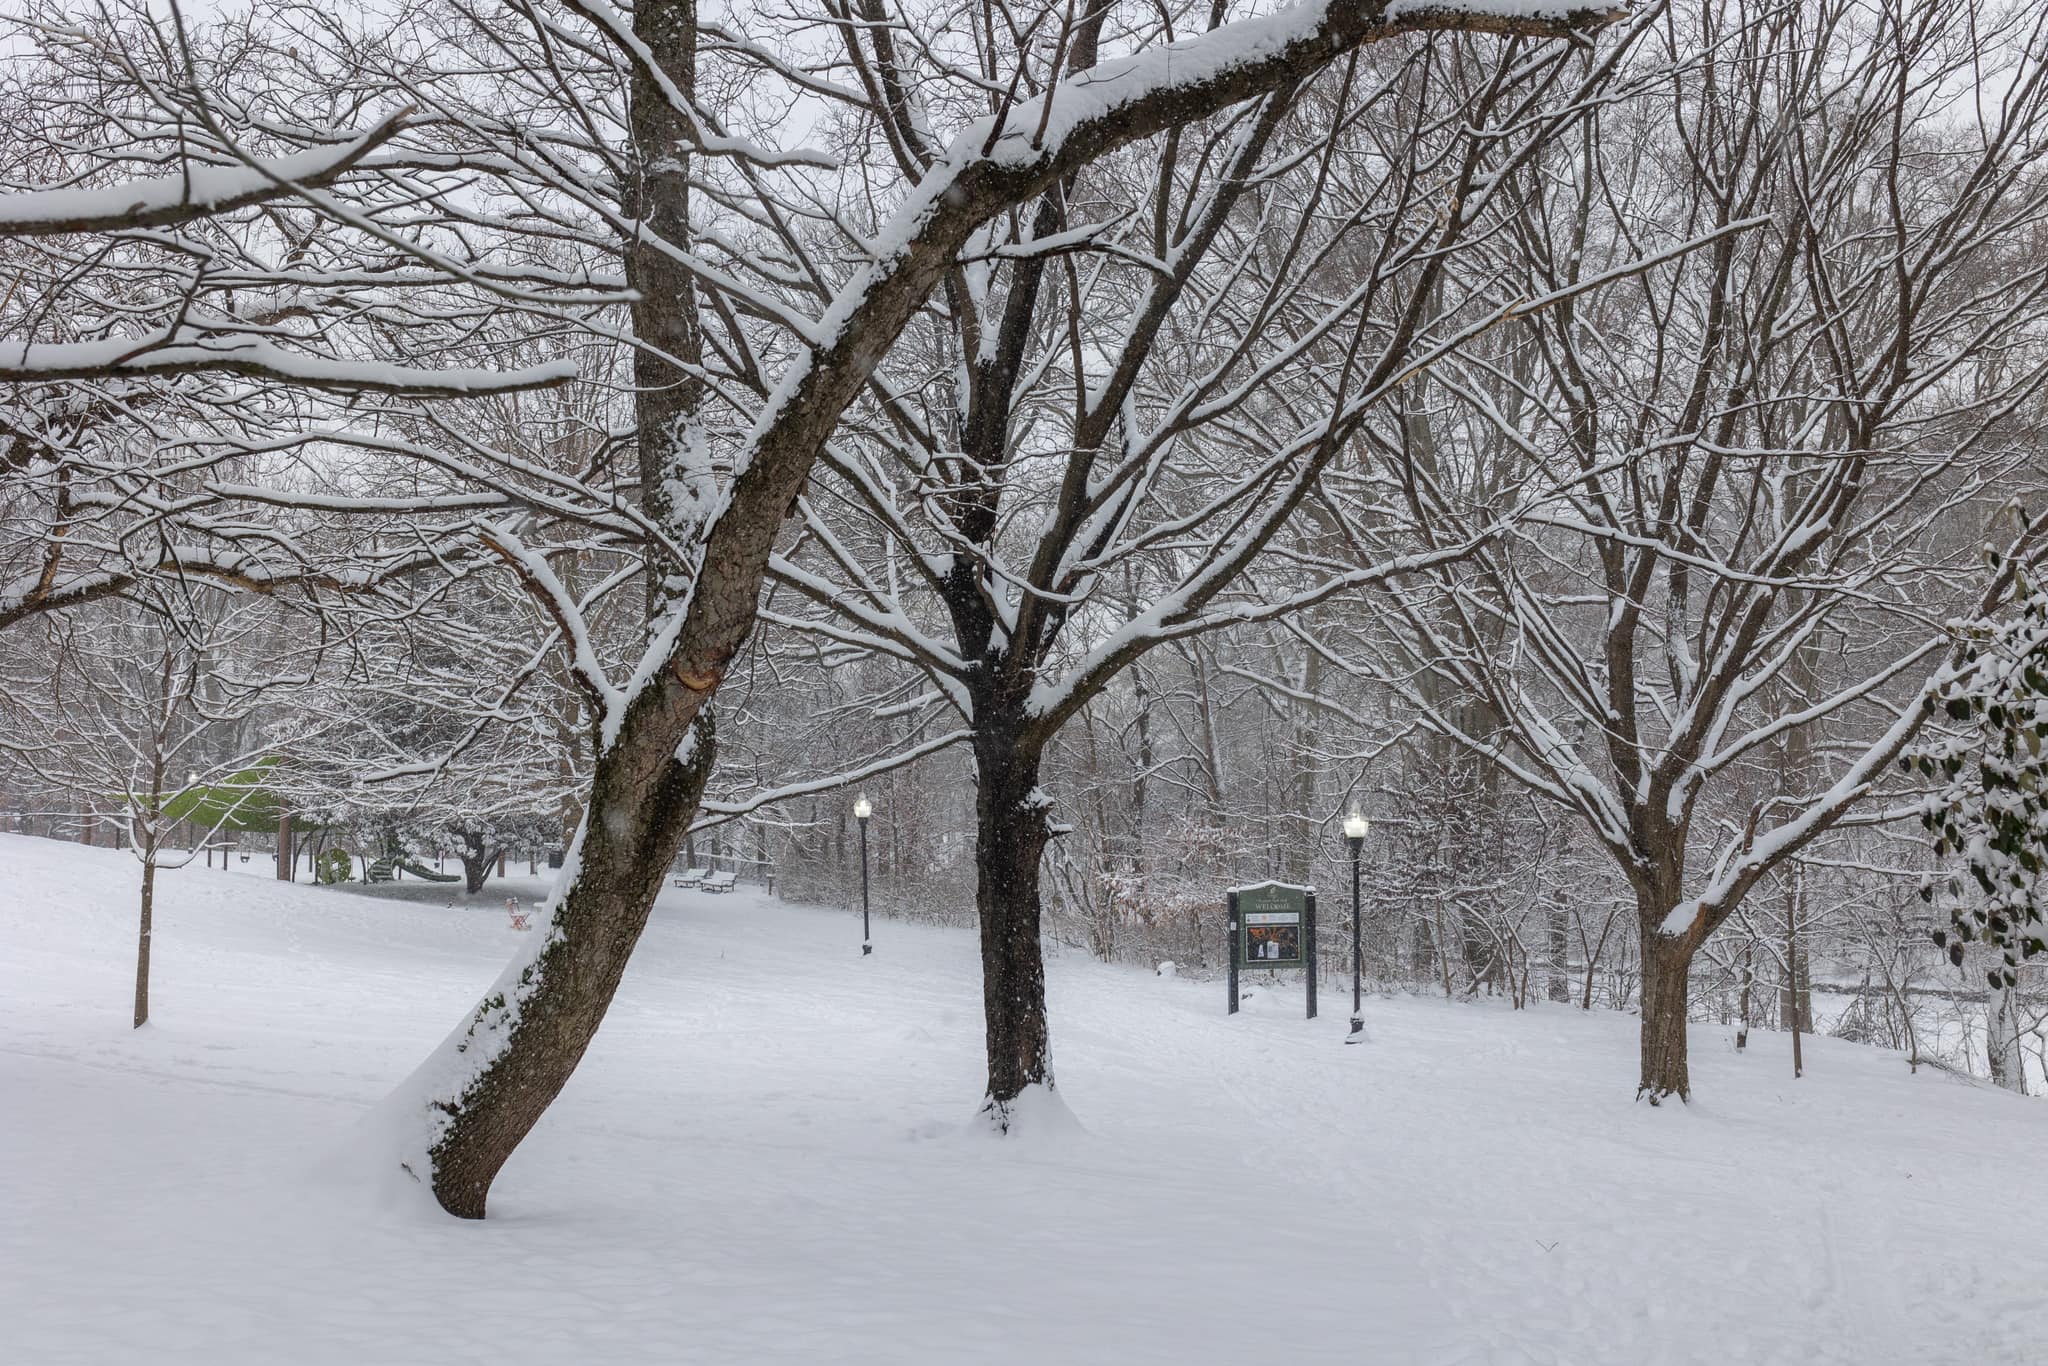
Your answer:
<point x="334" y="866"/>
<point x="1989" y="807"/>
<point x="240" y="802"/>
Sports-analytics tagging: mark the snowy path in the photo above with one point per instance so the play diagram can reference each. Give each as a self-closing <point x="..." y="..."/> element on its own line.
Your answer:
<point x="764" y="1161"/>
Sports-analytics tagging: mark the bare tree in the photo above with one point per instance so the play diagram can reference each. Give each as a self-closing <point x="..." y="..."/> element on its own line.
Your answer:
<point x="623" y="144"/>
<point x="135" y="710"/>
<point x="1744" y="488"/>
<point x="497" y="1073"/>
<point x="1084" y="445"/>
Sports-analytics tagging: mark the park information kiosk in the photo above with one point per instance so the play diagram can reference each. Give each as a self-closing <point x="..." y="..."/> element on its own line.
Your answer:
<point x="1272" y="926"/>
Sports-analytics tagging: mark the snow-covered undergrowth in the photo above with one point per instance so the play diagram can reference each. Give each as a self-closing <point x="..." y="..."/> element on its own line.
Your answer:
<point x="771" y="1156"/>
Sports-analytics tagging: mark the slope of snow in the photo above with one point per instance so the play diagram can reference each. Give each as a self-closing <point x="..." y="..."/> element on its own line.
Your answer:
<point x="767" y="1158"/>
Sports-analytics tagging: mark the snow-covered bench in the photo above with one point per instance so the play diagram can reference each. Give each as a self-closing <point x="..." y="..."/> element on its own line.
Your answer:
<point x="693" y="878"/>
<point x="720" y="882"/>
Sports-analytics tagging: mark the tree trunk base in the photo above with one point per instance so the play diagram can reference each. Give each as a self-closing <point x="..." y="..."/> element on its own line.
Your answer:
<point x="493" y="1078"/>
<point x="1034" y="1112"/>
<point x="1011" y="830"/>
<point x="1667" y="964"/>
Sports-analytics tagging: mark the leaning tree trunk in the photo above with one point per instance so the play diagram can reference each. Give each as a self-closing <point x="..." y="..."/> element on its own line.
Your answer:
<point x="644" y="789"/>
<point x="142" y="944"/>
<point x="1667" y="966"/>
<point x="531" y="1040"/>
<point x="1011" y="833"/>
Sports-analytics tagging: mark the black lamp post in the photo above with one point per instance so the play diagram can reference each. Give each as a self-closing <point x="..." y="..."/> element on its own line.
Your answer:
<point x="1356" y="828"/>
<point x="862" y="809"/>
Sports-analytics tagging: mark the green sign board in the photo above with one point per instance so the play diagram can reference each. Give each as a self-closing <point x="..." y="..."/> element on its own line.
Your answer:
<point x="1272" y="925"/>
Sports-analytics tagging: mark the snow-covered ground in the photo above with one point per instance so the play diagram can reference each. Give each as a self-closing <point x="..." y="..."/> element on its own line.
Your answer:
<point x="766" y="1158"/>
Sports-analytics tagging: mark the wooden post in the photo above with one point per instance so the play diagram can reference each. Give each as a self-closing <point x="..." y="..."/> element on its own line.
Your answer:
<point x="1309" y="938"/>
<point x="1230" y="953"/>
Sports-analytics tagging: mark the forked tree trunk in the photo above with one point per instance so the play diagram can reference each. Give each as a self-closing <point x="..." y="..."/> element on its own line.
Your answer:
<point x="632" y="827"/>
<point x="1667" y="965"/>
<point x="142" y="945"/>
<point x="1011" y="836"/>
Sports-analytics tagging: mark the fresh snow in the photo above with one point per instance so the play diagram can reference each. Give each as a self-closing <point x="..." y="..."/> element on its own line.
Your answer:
<point x="771" y="1155"/>
<point x="196" y="188"/>
<point x="172" y="350"/>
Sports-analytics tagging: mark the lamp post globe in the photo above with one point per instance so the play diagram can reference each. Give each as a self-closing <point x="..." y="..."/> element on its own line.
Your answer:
<point x="862" y="809"/>
<point x="1356" y="828"/>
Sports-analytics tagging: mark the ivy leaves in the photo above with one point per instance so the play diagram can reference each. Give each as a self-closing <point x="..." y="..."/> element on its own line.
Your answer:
<point x="1989" y="806"/>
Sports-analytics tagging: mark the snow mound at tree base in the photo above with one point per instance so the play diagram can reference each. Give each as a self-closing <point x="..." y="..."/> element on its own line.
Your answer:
<point x="1038" y="1114"/>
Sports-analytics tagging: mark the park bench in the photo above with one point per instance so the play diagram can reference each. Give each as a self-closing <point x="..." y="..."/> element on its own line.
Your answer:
<point x="720" y="882"/>
<point x="693" y="878"/>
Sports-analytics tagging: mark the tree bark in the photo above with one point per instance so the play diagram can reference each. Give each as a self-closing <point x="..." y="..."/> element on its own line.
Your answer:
<point x="142" y="944"/>
<point x="675" y="467"/>
<point x="476" y="863"/>
<point x="643" y="797"/>
<point x="2002" y="1040"/>
<point x="1667" y="966"/>
<point x="1797" y="1007"/>
<point x="1748" y="987"/>
<point x="632" y="827"/>
<point x="1012" y="831"/>
<point x="1142" y="706"/>
<point x="1304" y="736"/>
<point x="1557" y="970"/>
